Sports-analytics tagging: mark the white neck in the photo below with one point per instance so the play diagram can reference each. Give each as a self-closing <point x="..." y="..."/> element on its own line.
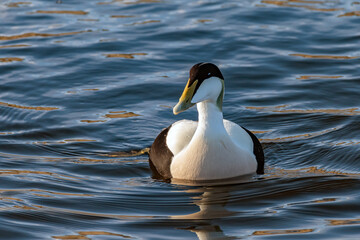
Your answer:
<point x="210" y="118"/>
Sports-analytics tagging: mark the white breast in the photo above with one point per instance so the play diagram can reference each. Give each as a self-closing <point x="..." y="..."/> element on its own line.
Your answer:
<point x="180" y="134"/>
<point x="214" y="156"/>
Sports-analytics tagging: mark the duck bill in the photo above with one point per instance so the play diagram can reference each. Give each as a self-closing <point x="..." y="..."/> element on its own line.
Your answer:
<point x="185" y="99"/>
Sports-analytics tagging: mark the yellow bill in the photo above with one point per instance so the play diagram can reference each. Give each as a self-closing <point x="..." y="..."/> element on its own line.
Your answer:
<point x="185" y="99"/>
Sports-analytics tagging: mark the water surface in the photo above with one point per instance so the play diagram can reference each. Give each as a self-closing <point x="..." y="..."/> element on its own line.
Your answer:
<point x="87" y="85"/>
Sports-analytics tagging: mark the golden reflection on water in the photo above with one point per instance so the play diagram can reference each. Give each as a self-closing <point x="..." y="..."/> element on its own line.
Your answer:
<point x="288" y="3"/>
<point x="204" y="20"/>
<point x="279" y="109"/>
<point x="6" y="133"/>
<point x="17" y="4"/>
<point x="11" y="59"/>
<point x="36" y="191"/>
<point x="318" y="77"/>
<point x="65" y="141"/>
<point x="129" y="2"/>
<point x="92" y="160"/>
<point x="145" y="22"/>
<point x="61" y="12"/>
<point x="122" y="16"/>
<point x="347" y="143"/>
<point x="296" y="137"/>
<point x="26" y="172"/>
<point x="84" y="234"/>
<point x="32" y="34"/>
<point x="260" y="131"/>
<point x="323" y="200"/>
<point x="344" y="222"/>
<point x="15" y="46"/>
<point x="132" y="153"/>
<point x="120" y="114"/>
<point x="27" y="107"/>
<point x="139" y="1"/>
<point x="124" y="55"/>
<point x="307" y="1"/>
<point x="10" y="199"/>
<point x="323" y="56"/>
<point x="165" y="106"/>
<point x="279" y="232"/>
<point x="85" y="89"/>
<point x="91" y="89"/>
<point x="275" y="172"/>
<point x="350" y="14"/>
<point x="63" y="210"/>
<point x="89" y="20"/>
<point x="92" y="121"/>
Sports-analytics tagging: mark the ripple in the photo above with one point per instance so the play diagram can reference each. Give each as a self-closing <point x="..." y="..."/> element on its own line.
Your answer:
<point x="350" y="14"/>
<point x="345" y="143"/>
<point x="306" y="77"/>
<point x="275" y="172"/>
<point x="6" y="133"/>
<point x="18" y="4"/>
<point x="120" y="114"/>
<point x="204" y="20"/>
<point x="132" y="153"/>
<point x="103" y="233"/>
<point x="308" y="7"/>
<point x="297" y="137"/>
<point x="279" y="109"/>
<point x="344" y="222"/>
<point x="141" y="1"/>
<point x="26" y="172"/>
<point x="93" y="121"/>
<point x="129" y="2"/>
<point x="11" y="105"/>
<point x="122" y="16"/>
<point x="89" y="20"/>
<point x="145" y="22"/>
<point x="33" y="34"/>
<point x="15" y="46"/>
<point x="36" y="192"/>
<point x="91" y="89"/>
<point x="124" y="55"/>
<point x="280" y="232"/>
<point x="61" y="12"/>
<point x="84" y="234"/>
<point x="11" y="59"/>
<point x="323" y="56"/>
<point x="65" y="141"/>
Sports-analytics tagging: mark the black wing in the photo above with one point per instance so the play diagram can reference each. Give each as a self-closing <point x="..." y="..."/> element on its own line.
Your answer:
<point x="160" y="156"/>
<point x="258" y="151"/>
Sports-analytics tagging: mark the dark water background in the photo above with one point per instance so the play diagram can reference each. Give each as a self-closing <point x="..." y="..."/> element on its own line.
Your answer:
<point x="87" y="85"/>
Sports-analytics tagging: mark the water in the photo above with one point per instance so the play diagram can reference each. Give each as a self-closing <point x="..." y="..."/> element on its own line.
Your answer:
<point x="87" y="85"/>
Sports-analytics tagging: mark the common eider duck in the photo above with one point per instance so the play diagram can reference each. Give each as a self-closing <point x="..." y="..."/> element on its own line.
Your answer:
<point x="212" y="148"/>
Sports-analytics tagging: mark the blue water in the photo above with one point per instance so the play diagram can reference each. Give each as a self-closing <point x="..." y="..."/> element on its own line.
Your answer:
<point x="87" y="85"/>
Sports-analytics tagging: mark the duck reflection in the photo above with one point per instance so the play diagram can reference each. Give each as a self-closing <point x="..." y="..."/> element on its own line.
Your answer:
<point x="212" y="205"/>
<point x="209" y="232"/>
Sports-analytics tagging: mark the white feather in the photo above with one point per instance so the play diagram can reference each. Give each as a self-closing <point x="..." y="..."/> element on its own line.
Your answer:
<point x="180" y="134"/>
<point x="213" y="148"/>
<point x="209" y="89"/>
